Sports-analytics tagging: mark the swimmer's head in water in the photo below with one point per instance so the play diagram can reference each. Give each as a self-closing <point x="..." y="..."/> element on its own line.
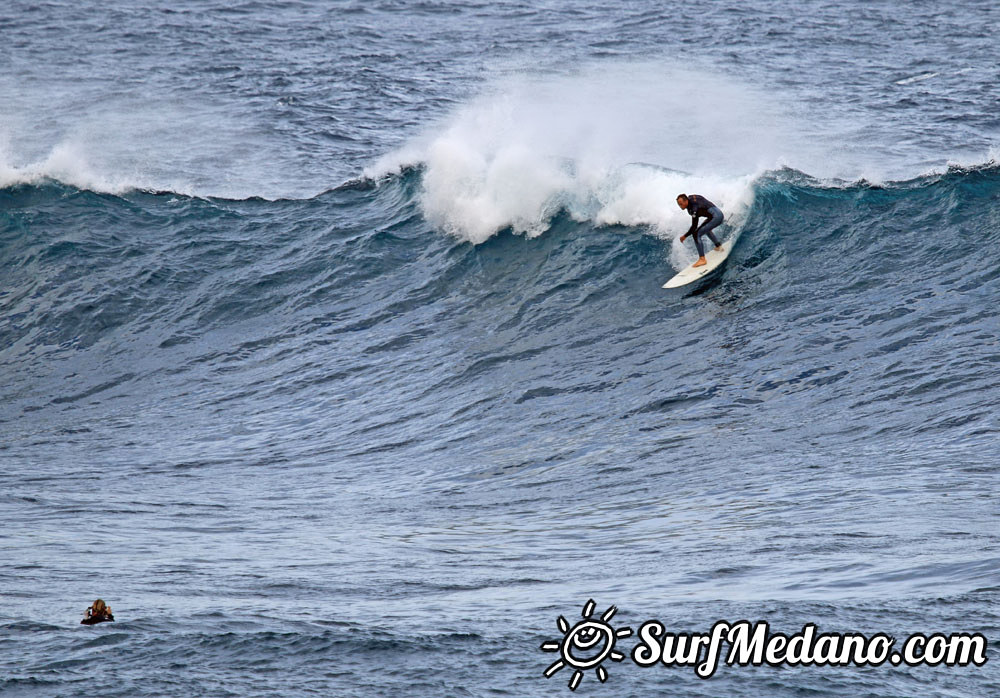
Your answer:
<point x="99" y="607"/>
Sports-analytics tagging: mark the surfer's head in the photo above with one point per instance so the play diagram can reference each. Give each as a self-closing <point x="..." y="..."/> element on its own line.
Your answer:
<point x="98" y="608"/>
<point x="682" y="200"/>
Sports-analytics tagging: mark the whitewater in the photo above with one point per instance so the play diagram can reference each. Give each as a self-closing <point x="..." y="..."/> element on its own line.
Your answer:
<point x="335" y="357"/>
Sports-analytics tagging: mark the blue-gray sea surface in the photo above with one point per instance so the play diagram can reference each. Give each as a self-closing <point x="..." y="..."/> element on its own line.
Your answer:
<point x="335" y="356"/>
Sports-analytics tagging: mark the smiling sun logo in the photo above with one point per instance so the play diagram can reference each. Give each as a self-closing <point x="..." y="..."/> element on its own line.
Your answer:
<point x="586" y="645"/>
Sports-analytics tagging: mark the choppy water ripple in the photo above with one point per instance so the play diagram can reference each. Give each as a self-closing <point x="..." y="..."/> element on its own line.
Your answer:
<point x="272" y="388"/>
<point x="335" y="356"/>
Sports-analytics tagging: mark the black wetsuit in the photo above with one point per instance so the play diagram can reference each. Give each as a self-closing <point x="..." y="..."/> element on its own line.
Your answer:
<point x="700" y="207"/>
<point x="93" y="620"/>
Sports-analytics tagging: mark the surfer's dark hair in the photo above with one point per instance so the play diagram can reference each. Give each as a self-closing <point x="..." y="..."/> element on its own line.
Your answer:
<point x="682" y="196"/>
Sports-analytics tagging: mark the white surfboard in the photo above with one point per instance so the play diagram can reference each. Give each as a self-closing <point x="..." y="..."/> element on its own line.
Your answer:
<point x="691" y="274"/>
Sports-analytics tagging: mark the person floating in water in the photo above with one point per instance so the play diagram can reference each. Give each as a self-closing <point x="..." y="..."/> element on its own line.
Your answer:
<point x="700" y="207"/>
<point x="97" y="613"/>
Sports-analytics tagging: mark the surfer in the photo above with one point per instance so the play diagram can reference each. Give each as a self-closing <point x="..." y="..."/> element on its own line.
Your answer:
<point x="97" y="613"/>
<point x="700" y="207"/>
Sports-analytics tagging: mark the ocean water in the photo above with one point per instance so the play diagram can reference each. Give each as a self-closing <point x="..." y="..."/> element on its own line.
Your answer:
<point x="335" y="359"/>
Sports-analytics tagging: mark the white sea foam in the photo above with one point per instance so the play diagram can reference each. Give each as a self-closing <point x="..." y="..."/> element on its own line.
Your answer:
<point x="916" y="78"/>
<point x="68" y="163"/>
<point x="119" y="143"/>
<point x="531" y="146"/>
<point x="971" y="160"/>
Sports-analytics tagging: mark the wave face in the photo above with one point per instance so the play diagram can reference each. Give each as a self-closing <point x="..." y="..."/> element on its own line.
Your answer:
<point x="336" y="359"/>
<point x="248" y="302"/>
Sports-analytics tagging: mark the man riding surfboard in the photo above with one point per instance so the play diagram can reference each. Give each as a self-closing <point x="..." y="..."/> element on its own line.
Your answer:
<point x="700" y="207"/>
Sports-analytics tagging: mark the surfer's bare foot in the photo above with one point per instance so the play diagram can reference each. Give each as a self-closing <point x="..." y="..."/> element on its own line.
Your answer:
<point x="718" y="248"/>
<point x="700" y="263"/>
